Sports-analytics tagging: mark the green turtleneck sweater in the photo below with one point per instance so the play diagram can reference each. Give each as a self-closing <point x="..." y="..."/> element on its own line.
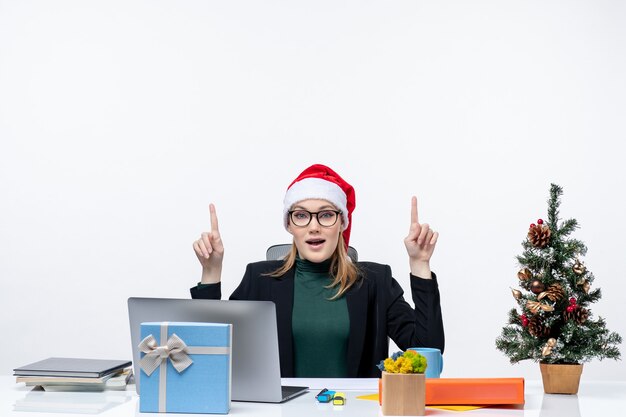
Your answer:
<point x="320" y="326"/>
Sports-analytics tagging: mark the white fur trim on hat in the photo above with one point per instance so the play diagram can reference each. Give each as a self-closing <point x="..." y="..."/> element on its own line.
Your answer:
<point x="316" y="188"/>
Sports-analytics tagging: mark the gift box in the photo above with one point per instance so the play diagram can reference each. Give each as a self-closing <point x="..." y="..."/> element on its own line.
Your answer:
<point x="475" y="391"/>
<point x="470" y="391"/>
<point x="185" y="367"/>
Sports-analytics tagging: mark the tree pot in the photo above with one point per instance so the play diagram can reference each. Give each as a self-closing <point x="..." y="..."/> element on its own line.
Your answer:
<point x="403" y="394"/>
<point x="560" y="378"/>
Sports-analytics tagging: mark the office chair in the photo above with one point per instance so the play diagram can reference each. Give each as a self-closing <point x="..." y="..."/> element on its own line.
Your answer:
<point x="277" y="252"/>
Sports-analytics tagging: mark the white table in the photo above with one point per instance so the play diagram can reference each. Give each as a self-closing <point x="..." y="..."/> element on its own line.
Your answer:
<point x="595" y="398"/>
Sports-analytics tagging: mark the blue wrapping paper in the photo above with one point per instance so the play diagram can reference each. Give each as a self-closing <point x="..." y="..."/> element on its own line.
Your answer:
<point x="203" y="386"/>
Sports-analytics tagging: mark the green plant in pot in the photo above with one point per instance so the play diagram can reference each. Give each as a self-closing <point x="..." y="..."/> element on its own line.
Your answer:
<point x="553" y="323"/>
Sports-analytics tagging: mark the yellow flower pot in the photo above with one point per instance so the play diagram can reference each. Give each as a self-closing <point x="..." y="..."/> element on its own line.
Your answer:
<point x="403" y="394"/>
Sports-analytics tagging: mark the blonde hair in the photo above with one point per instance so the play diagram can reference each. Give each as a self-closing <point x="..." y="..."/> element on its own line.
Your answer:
<point x="342" y="270"/>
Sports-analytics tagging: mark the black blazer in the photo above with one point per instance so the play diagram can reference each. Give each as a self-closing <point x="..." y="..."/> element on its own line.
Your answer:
<point x="376" y="308"/>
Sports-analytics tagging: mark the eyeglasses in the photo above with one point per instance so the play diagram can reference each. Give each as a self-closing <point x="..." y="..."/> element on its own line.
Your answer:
<point x="325" y="218"/>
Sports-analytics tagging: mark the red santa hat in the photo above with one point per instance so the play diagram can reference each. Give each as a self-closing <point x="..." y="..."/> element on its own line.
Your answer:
<point x="320" y="182"/>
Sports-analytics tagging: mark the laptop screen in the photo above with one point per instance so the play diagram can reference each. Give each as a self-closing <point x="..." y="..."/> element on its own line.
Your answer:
<point x="255" y="358"/>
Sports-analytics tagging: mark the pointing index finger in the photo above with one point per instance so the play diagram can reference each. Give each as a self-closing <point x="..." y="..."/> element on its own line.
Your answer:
<point x="214" y="223"/>
<point x="414" y="217"/>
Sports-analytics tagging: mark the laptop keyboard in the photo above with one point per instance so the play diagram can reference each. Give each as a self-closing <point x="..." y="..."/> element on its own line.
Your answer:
<point x="288" y="391"/>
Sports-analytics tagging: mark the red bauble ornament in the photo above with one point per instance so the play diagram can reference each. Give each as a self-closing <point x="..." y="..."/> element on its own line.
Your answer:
<point x="540" y="221"/>
<point x="572" y="301"/>
<point x="524" y="320"/>
<point x="571" y="308"/>
<point x="532" y="225"/>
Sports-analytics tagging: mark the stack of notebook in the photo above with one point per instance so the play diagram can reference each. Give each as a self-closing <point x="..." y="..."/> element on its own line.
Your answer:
<point x="74" y="374"/>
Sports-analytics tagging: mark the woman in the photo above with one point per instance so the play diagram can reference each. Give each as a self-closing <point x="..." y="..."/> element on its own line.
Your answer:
<point x="334" y="316"/>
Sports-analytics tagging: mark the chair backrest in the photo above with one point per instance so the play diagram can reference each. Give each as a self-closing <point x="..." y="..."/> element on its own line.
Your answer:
<point x="277" y="252"/>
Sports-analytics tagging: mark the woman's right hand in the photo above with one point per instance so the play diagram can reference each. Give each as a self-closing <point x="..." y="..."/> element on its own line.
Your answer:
<point x="210" y="251"/>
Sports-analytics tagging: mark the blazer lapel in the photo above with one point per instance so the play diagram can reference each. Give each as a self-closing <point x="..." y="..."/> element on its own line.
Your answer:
<point x="282" y="294"/>
<point x="356" y="298"/>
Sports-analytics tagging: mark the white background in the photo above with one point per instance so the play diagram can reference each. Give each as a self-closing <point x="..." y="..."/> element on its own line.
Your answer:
<point x="120" y="121"/>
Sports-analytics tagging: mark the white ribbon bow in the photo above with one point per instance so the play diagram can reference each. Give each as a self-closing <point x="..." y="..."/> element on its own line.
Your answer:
<point x="175" y="349"/>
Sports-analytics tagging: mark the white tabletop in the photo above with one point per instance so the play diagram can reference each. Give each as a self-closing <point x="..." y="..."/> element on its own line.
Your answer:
<point x="595" y="398"/>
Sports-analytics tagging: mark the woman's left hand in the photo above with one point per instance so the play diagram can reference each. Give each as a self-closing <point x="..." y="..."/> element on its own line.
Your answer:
<point x="420" y="244"/>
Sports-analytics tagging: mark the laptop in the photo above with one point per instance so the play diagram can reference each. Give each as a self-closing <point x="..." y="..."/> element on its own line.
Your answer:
<point x="255" y="359"/>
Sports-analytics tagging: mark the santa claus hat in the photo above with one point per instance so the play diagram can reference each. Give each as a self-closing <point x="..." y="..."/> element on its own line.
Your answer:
<point x="319" y="181"/>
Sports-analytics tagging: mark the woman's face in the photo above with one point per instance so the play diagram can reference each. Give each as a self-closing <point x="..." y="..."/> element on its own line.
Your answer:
<point x="315" y="243"/>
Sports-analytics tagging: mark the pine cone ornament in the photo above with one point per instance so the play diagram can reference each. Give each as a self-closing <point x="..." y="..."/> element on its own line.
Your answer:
<point x="539" y="235"/>
<point x="537" y="328"/>
<point x="553" y="293"/>
<point x="577" y="313"/>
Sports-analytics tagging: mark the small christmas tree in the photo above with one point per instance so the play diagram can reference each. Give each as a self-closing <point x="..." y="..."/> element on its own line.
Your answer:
<point x="554" y="323"/>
